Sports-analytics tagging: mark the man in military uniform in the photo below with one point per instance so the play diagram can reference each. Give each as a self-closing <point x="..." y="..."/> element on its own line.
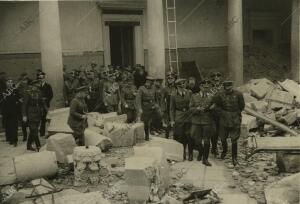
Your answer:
<point x="70" y="85"/>
<point x="23" y="89"/>
<point x="179" y="105"/>
<point x="77" y="118"/>
<point x="157" y="124"/>
<point x="167" y="91"/>
<point x="128" y="99"/>
<point x="192" y="85"/>
<point x="216" y="86"/>
<point x="202" y="121"/>
<point x="231" y="103"/>
<point x="146" y="104"/>
<point x="32" y="110"/>
<point x="95" y="100"/>
<point x="111" y="92"/>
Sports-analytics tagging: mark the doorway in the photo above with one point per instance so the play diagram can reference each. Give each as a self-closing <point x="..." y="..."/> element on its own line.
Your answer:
<point x="122" y="45"/>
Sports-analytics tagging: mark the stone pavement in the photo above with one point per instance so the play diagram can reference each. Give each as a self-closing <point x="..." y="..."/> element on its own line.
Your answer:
<point x="217" y="177"/>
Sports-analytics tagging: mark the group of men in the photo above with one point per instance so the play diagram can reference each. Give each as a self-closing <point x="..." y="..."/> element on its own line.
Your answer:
<point x="27" y="102"/>
<point x="197" y="113"/>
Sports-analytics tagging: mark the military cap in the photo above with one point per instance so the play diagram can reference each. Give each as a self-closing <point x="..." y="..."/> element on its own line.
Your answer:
<point x="205" y="81"/>
<point x="150" y="78"/>
<point x="171" y="74"/>
<point x="41" y="75"/>
<point x="228" y="83"/>
<point x="82" y="88"/>
<point x="180" y="81"/>
<point x="159" y="79"/>
<point x="214" y="74"/>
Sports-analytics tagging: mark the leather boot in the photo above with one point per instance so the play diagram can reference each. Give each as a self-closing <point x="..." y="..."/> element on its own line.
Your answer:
<point x="190" y="149"/>
<point x="200" y="152"/>
<point x="225" y="148"/>
<point x="184" y="152"/>
<point x="205" y="155"/>
<point x="234" y="154"/>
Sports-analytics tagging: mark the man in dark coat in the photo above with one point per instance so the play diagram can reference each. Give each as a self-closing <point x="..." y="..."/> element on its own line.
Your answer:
<point x="96" y="92"/>
<point x="146" y="104"/>
<point x="179" y="105"/>
<point x="216" y="87"/>
<point x="77" y="118"/>
<point x="47" y="94"/>
<point x="231" y="103"/>
<point x="202" y="121"/>
<point x="23" y="89"/>
<point x="11" y="113"/>
<point x="32" y="111"/>
<point x="167" y="91"/>
<point x="192" y="85"/>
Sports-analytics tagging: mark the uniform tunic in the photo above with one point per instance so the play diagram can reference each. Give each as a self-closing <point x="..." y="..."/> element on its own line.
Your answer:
<point x="179" y="105"/>
<point x="77" y="109"/>
<point x="111" y="95"/>
<point x="231" y="105"/>
<point x="146" y="102"/>
<point x="128" y="101"/>
<point x="202" y="120"/>
<point x="96" y="95"/>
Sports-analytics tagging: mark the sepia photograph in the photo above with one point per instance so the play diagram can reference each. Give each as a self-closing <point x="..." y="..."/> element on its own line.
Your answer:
<point x="150" y="101"/>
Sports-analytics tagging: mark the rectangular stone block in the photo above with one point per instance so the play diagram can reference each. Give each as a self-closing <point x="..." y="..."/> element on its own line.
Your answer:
<point x="248" y="98"/>
<point x="59" y="121"/>
<point x="124" y="134"/>
<point x="260" y="87"/>
<point x="260" y="106"/>
<point x="116" y="119"/>
<point x="292" y="87"/>
<point x="288" y="162"/>
<point x="160" y="158"/>
<point x="139" y="175"/>
<point x="172" y="148"/>
<point x="280" y="99"/>
<point x="290" y="118"/>
<point x="248" y="121"/>
<point x="62" y="144"/>
<point x="99" y="121"/>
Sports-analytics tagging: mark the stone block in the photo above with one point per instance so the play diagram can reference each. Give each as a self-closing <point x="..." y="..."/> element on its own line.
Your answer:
<point x="59" y="121"/>
<point x="123" y="134"/>
<point x="248" y="121"/>
<point x="172" y="148"/>
<point x="62" y="144"/>
<point x="281" y="99"/>
<point x="95" y="139"/>
<point x="284" y="191"/>
<point x="116" y="119"/>
<point x="292" y="87"/>
<point x="260" y="87"/>
<point x="160" y="158"/>
<point x="260" y="106"/>
<point x="288" y="162"/>
<point x="35" y="165"/>
<point x="248" y="98"/>
<point x="245" y="88"/>
<point x="70" y="159"/>
<point x="290" y="118"/>
<point x="100" y="118"/>
<point x="140" y="173"/>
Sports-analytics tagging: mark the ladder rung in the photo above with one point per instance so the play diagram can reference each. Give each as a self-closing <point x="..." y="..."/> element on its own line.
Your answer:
<point x="171" y="7"/>
<point x="173" y="61"/>
<point x="173" y="48"/>
<point x="171" y="21"/>
<point x="172" y="35"/>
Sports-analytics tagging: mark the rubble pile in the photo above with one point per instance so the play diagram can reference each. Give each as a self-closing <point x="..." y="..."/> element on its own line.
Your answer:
<point x="276" y="101"/>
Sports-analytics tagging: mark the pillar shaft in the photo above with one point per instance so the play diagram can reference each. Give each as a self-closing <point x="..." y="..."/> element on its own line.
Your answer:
<point x="156" y="44"/>
<point x="51" y="50"/>
<point x="295" y="41"/>
<point x="235" y="41"/>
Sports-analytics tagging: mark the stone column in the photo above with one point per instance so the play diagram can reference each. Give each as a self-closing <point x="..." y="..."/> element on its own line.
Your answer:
<point x="51" y="51"/>
<point x="235" y="41"/>
<point x="295" y="41"/>
<point x="156" y="43"/>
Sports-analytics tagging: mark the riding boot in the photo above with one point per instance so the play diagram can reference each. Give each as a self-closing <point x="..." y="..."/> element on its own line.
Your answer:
<point x="190" y="149"/>
<point x="205" y="154"/>
<point x="184" y="152"/>
<point x="234" y="153"/>
<point x="200" y="152"/>
<point x="225" y="148"/>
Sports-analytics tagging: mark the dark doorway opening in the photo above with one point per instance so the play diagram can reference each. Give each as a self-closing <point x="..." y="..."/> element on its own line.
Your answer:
<point x="263" y="37"/>
<point x="121" y="45"/>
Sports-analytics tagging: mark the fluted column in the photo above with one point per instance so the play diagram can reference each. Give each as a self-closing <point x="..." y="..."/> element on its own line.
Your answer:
<point x="295" y="41"/>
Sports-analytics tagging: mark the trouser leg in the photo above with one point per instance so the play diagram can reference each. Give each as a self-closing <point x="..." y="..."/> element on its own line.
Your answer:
<point x="24" y="130"/>
<point x="43" y="124"/>
<point x="190" y="147"/>
<point x="146" y="128"/>
<point x="234" y="152"/>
